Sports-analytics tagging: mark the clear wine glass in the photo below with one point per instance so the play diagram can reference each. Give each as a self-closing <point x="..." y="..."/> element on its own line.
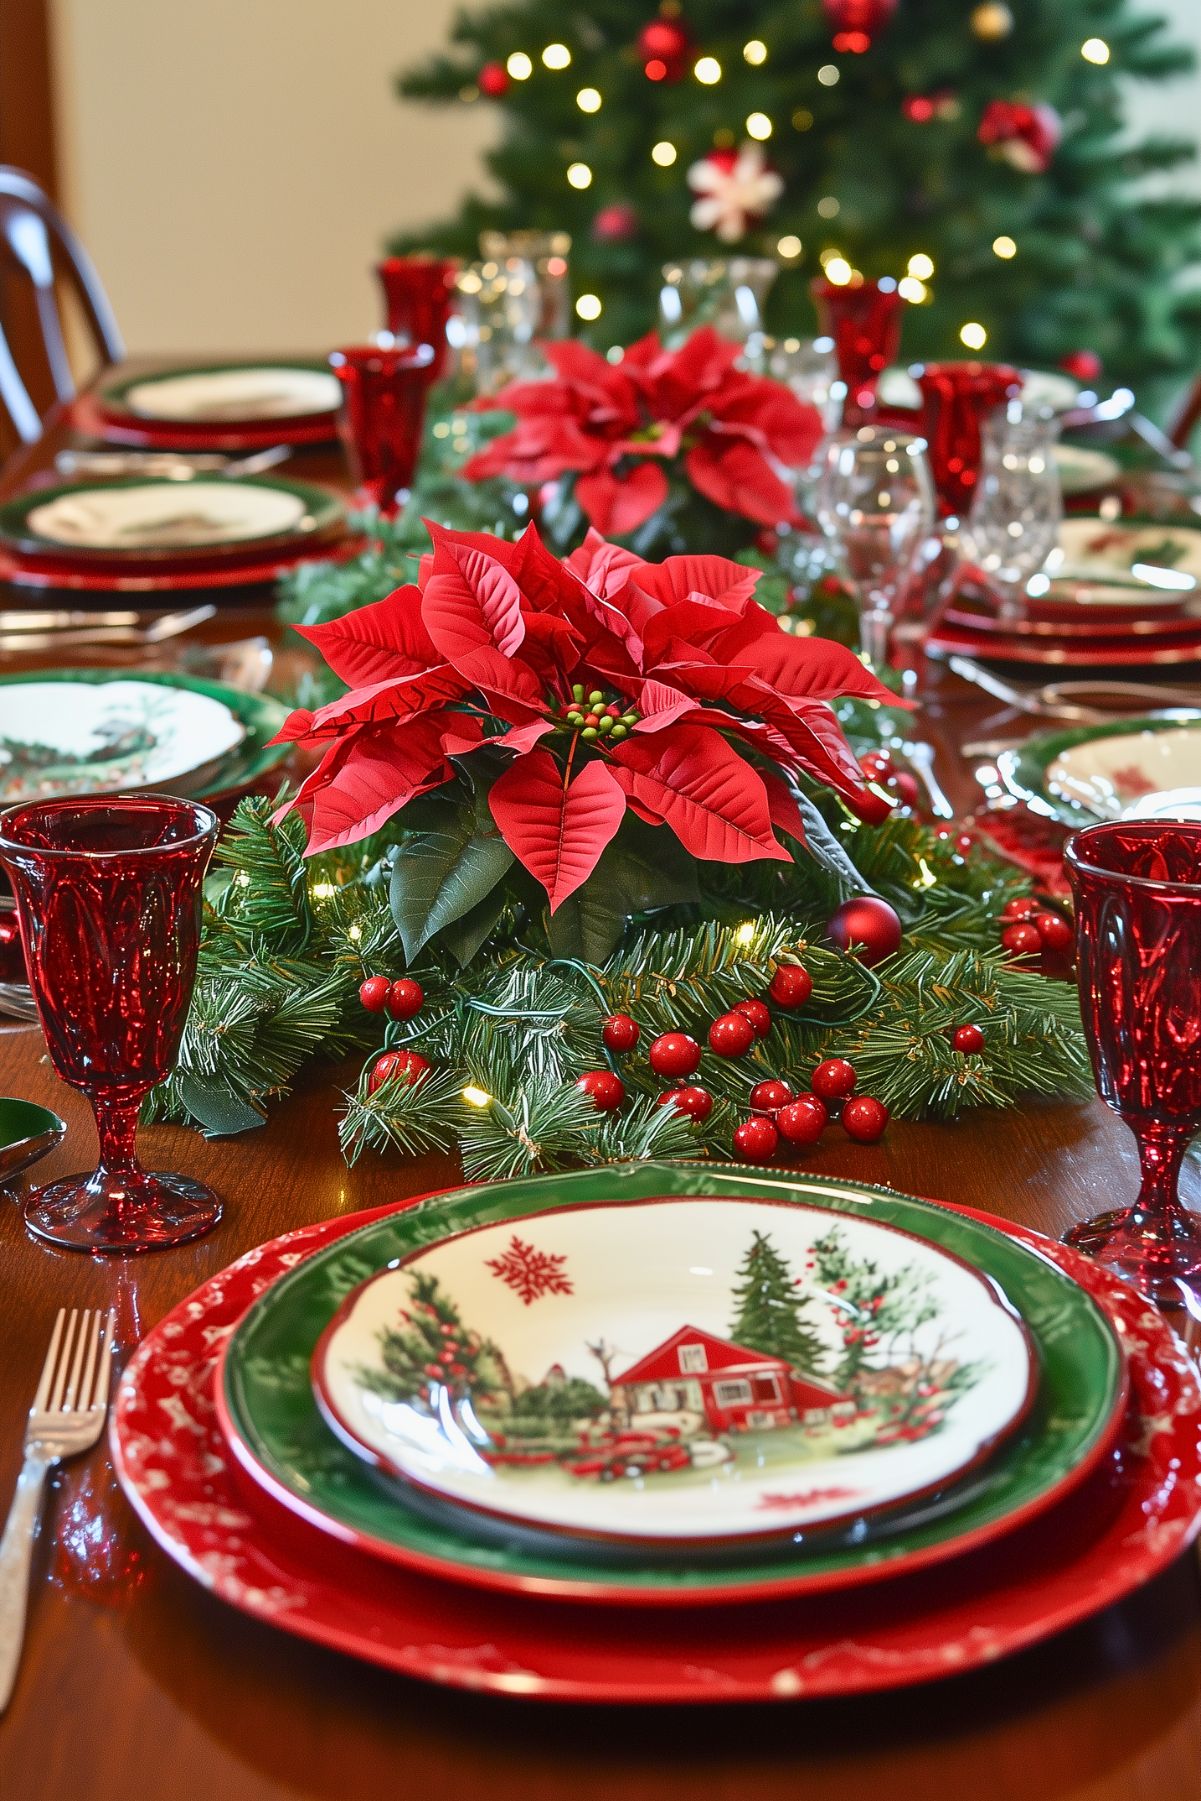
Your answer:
<point x="1013" y="525"/>
<point x="875" y="504"/>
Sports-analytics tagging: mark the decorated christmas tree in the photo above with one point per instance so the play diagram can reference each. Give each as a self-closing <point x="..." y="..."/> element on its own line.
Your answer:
<point x="429" y="1347"/>
<point x="771" y="1310"/>
<point x="977" y="153"/>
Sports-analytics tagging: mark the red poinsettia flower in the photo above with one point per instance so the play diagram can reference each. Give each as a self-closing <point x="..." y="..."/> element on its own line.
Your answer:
<point x="662" y="689"/>
<point x="616" y="426"/>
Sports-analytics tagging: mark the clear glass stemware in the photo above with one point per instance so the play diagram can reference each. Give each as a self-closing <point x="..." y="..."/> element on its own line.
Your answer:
<point x="1013" y="525"/>
<point x="875" y="505"/>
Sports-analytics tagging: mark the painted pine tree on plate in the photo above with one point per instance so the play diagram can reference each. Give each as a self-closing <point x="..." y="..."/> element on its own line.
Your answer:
<point x="430" y="1347"/>
<point x="771" y="1311"/>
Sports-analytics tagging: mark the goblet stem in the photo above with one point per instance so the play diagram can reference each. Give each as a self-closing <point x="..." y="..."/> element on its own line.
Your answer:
<point x="875" y="626"/>
<point x="1156" y="1243"/>
<point x="1157" y="1213"/>
<point x="116" y="1127"/>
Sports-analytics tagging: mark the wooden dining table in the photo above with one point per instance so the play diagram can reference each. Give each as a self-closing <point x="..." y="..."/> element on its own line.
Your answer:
<point x="138" y="1685"/>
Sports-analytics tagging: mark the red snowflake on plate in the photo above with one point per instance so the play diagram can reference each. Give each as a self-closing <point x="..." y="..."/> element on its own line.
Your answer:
<point x="807" y="1497"/>
<point x="1131" y="782"/>
<point x="531" y="1273"/>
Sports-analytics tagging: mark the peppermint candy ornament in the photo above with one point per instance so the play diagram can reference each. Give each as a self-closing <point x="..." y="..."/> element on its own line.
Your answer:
<point x="735" y="189"/>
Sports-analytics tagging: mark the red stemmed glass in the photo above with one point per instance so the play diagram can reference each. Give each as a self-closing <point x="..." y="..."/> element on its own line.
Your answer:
<point x="957" y="398"/>
<point x="384" y="387"/>
<point x="1137" y="886"/>
<point x="864" y="320"/>
<point x="418" y="296"/>
<point x="108" y="894"/>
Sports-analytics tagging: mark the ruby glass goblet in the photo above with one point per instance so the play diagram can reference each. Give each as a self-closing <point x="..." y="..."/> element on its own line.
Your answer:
<point x="957" y="399"/>
<point x="864" y="320"/>
<point x="108" y="893"/>
<point x="418" y="296"/>
<point x="384" y="388"/>
<point x="1137" y="886"/>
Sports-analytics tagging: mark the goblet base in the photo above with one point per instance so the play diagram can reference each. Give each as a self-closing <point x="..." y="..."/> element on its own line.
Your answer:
<point x="1158" y="1257"/>
<point x="122" y="1214"/>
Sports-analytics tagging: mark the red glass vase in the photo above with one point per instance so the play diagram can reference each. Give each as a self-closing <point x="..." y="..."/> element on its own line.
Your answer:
<point x="957" y="398"/>
<point x="384" y="389"/>
<point x="1137" y="887"/>
<point x="108" y="894"/>
<point x="418" y="297"/>
<point x="864" y="320"/>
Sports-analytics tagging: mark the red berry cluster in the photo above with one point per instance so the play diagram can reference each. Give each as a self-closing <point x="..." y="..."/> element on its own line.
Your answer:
<point x="1029" y="930"/>
<point x="402" y="999"/>
<point x="800" y="1119"/>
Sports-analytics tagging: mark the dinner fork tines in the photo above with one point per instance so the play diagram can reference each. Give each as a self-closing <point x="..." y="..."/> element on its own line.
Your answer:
<point x="66" y="1418"/>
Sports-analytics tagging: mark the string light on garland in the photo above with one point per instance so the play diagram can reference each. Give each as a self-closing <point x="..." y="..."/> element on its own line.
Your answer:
<point x="588" y="307"/>
<point x="1095" y="50"/>
<point x="838" y="270"/>
<point x="579" y="175"/>
<point x="759" y="126"/>
<point x="519" y="66"/>
<point x="1004" y="247"/>
<point x="913" y="290"/>
<point x="664" y="154"/>
<point x="589" y="100"/>
<point x="707" y="71"/>
<point x="476" y="1097"/>
<point x="829" y="75"/>
<point x="755" y="52"/>
<point x="828" y="207"/>
<point x="973" y="335"/>
<point x="557" y="56"/>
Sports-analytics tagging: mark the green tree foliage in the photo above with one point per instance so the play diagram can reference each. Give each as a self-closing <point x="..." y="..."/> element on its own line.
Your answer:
<point x="770" y="1310"/>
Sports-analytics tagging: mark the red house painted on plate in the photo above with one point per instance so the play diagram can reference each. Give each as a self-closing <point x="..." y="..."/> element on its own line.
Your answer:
<point x="732" y="1388"/>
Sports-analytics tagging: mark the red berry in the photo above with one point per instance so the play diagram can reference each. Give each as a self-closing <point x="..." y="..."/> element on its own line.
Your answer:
<point x="591" y="718"/>
<point x="1022" y="940"/>
<point x="965" y="843"/>
<point x="877" y="765"/>
<point x="908" y="789"/>
<point x="696" y="1102"/>
<point x="770" y="1096"/>
<point x="674" y="1054"/>
<point x="668" y="1098"/>
<point x="621" y="1033"/>
<point x="605" y="1090"/>
<point x="968" y="1039"/>
<point x="756" y="1137"/>
<point x="1054" y="931"/>
<point x="791" y="985"/>
<point x="405" y="998"/>
<point x="732" y="1035"/>
<point x="373" y="993"/>
<point x="864" y="1118"/>
<point x="397" y="1063"/>
<point x="1019" y="908"/>
<point x="834" y="1078"/>
<point x="759" y="1014"/>
<point x="802" y="1121"/>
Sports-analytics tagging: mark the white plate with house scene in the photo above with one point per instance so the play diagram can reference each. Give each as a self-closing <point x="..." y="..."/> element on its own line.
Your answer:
<point x="1150" y="774"/>
<point x="676" y="1371"/>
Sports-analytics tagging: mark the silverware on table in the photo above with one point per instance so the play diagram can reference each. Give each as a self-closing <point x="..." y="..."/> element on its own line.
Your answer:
<point x="66" y="1418"/>
<point x="920" y="757"/>
<point x="156" y="630"/>
<point x="1047" y="702"/>
<point x="169" y="465"/>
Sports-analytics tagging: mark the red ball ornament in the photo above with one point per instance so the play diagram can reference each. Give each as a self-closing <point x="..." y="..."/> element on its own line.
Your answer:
<point x="405" y="998"/>
<point x="674" y="1054"/>
<point x="620" y="1032"/>
<point x="373" y="993"/>
<point x="756" y="1137"/>
<point x="968" y="1039"/>
<point x="616" y="223"/>
<point x="791" y="985"/>
<point x="605" y="1090"/>
<point x="834" y="1079"/>
<point x="864" y="1119"/>
<point x="665" y="47"/>
<point x="759" y="1014"/>
<point x="877" y="765"/>
<point x="804" y="1120"/>
<point x="397" y="1063"/>
<point x="1054" y="932"/>
<point x="732" y="1035"/>
<point x="856" y="23"/>
<point x="770" y="1096"/>
<point x="1082" y="365"/>
<point x="867" y="924"/>
<point x="1021" y="940"/>
<point x="493" y="80"/>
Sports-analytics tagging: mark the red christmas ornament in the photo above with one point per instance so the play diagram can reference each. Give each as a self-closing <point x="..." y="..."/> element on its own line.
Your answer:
<point x="493" y="80"/>
<point x="1082" y="365"/>
<point x="696" y="1102"/>
<point x="756" y="1137"/>
<point x="803" y="1121"/>
<point x="919" y="109"/>
<point x="1022" y="940"/>
<point x="864" y="1119"/>
<point x="877" y="765"/>
<point x="373" y="993"/>
<point x="674" y="1054"/>
<point x="397" y="1063"/>
<point x="770" y="1096"/>
<point x="968" y="1039"/>
<point x="665" y="49"/>
<point x="870" y="925"/>
<point x="834" y="1079"/>
<point x="790" y="986"/>
<point x="620" y="1032"/>
<point x="1026" y="137"/>
<point x="405" y="998"/>
<point x="605" y="1090"/>
<point x="616" y="223"/>
<point x="907" y="789"/>
<point x="856" y="23"/>
<point x="732" y="1035"/>
<point x="1054" y="931"/>
<point x="759" y="1014"/>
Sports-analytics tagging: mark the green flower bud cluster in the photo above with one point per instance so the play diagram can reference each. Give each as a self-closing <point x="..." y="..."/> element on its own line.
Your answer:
<point x="593" y="717"/>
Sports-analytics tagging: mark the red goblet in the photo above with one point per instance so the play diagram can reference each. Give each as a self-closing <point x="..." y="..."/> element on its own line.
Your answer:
<point x="384" y="387"/>
<point x="418" y="295"/>
<point x="109" y="897"/>
<point x="1138" y="911"/>
<point x="956" y="400"/>
<point x="864" y="320"/>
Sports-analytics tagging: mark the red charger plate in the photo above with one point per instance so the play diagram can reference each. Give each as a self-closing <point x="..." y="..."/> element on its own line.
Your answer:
<point x="1130" y="1521"/>
<point x="87" y="417"/>
<point x="44" y="572"/>
<point x="1101" y="652"/>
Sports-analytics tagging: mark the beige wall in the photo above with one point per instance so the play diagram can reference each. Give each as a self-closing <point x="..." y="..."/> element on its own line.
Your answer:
<point x="233" y="164"/>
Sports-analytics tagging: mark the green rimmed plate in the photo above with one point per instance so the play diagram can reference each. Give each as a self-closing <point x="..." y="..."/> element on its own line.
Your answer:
<point x="1128" y="768"/>
<point x="225" y="394"/>
<point x="271" y="1420"/>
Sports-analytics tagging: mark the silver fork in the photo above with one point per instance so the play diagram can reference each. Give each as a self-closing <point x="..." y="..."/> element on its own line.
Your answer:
<point x="66" y="1418"/>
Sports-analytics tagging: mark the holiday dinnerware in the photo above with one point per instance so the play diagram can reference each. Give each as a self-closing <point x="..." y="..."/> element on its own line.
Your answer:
<point x="1126" y="769"/>
<point x="224" y="396"/>
<point x="1125" y="562"/>
<point x="279" y="1438"/>
<point x="485" y="1370"/>
<point x="1131" y="1520"/>
<point x="27" y="1133"/>
<point x="1042" y="390"/>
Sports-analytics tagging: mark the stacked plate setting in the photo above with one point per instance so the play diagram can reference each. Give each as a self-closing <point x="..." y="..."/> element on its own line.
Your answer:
<point x="221" y="407"/>
<point x="502" y="1437"/>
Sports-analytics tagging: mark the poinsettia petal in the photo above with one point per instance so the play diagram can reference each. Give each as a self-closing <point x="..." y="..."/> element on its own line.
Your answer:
<point x="620" y="504"/>
<point x="371" y="643"/>
<point x="810" y="668"/>
<point x="383" y="701"/>
<point x="380" y="772"/>
<point x="556" y="832"/>
<point x="712" y="798"/>
<point x="470" y="601"/>
<point x="716" y="578"/>
<point x="737" y="477"/>
<point x="781" y="805"/>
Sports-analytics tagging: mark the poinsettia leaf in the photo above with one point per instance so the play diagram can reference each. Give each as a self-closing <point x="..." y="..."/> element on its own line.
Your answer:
<point x="470" y="601"/>
<point x="372" y="643"/>
<point x="439" y="877"/>
<point x="782" y="804"/>
<point x="827" y="849"/>
<point x="219" y="1112"/>
<point x="463" y="937"/>
<point x="697" y="783"/>
<point x="557" y="832"/>
<point x="717" y="578"/>
<point x="395" y="699"/>
<point x="642" y="871"/>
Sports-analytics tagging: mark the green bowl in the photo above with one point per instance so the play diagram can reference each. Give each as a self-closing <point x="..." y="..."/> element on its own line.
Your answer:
<point x="27" y="1132"/>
